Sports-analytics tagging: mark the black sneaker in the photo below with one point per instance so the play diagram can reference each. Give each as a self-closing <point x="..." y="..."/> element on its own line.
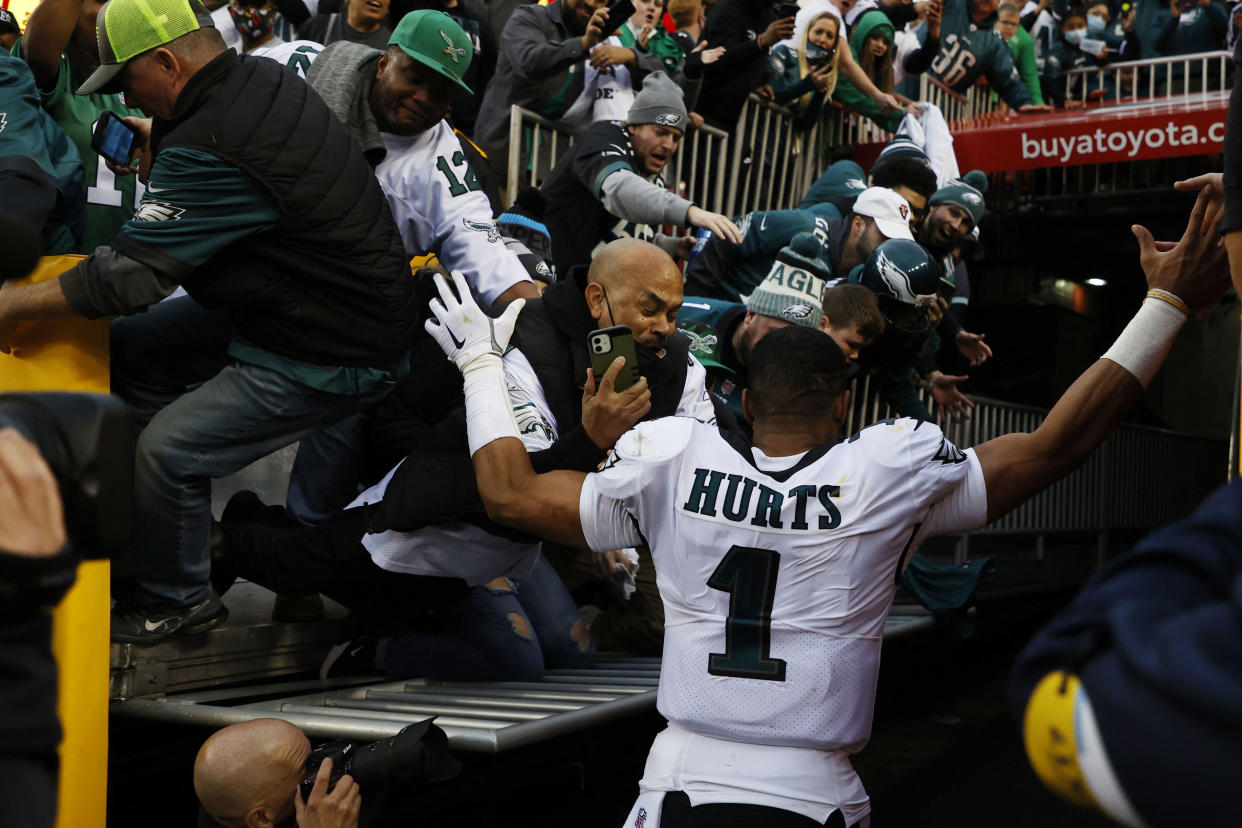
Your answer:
<point x="134" y="623"/>
<point x="354" y="657"/>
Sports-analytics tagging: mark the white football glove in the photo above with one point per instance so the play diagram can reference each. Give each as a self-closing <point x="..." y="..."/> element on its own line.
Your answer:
<point x="461" y="328"/>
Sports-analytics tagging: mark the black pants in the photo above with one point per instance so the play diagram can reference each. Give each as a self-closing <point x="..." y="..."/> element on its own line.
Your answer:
<point x="290" y="559"/>
<point x="677" y="813"/>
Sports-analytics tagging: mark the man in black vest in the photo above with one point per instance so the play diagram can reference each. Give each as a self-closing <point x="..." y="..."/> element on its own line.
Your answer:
<point x="264" y="209"/>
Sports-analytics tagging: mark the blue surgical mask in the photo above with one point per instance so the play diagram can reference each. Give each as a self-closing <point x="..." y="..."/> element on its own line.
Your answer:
<point x="1096" y="24"/>
<point x="1075" y="36"/>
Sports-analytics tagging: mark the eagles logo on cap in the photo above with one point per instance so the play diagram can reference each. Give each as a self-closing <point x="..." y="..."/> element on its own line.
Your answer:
<point x="668" y="119"/>
<point x="799" y="311"/>
<point x="973" y="198"/>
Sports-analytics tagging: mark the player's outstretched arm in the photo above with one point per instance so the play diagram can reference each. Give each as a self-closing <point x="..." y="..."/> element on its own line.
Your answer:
<point x="1188" y="274"/>
<point x="545" y="505"/>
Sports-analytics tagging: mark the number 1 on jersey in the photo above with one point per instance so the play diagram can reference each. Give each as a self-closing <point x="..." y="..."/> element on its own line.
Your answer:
<point x="749" y="576"/>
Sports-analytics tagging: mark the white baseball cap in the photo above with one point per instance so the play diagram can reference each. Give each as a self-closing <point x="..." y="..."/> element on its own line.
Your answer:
<point x="890" y="211"/>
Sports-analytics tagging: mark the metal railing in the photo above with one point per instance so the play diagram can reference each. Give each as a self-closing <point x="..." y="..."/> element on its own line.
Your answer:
<point x="1140" y="477"/>
<point x="1151" y="79"/>
<point x="537" y="143"/>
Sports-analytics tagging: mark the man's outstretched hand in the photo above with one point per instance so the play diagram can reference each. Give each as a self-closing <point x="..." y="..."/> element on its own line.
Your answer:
<point x="461" y="328"/>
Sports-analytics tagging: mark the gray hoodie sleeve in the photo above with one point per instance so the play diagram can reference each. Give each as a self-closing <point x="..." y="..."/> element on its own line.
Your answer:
<point x="108" y="283"/>
<point x="629" y="196"/>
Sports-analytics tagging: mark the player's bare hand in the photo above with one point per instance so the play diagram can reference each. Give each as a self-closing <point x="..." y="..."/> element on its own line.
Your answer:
<point x="777" y="31"/>
<point x="1027" y="109"/>
<point x="696" y="120"/>
<point x="936" y="312"/>
<point x="644" y="35"/>
<point x="709" y="56"/>
<point x="595" y="28"/>
<point x="605" y="55"/>
<point x="950" y="402"/>
<point x="1195" y="268"/>
<point x="972" y="346"/>
<point x="1217" y="202"/>
<point x="461" y="328"/>
<point x="32" y="519"/>
<point x="323" y="809"/>
<point x="715" y="222"/>
<point x="608" y="413"/>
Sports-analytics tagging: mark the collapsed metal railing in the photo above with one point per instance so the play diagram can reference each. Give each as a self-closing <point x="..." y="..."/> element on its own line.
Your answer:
<point x="1140" y="478"/>
<point x="1156" y="78"/>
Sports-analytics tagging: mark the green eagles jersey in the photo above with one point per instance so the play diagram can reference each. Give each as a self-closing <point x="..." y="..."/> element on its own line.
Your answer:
<point x="110" y="199"/>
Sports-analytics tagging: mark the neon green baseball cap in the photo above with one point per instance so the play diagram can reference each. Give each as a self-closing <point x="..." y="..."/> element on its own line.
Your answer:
<point x="435" y="40"/>
<point x="127" y="28"/>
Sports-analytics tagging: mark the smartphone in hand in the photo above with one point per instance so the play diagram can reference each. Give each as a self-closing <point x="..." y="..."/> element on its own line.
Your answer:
<point x="113" y="139"/>
<point x="619" y="11"/>
<point x="607" y="344"/>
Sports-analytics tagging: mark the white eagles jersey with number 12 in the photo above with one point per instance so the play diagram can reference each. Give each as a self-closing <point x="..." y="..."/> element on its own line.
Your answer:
<point x="776" y="583"/>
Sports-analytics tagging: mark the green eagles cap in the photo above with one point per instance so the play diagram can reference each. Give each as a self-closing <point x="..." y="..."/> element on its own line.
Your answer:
<point x="127" y="28"/>
<point x="434" y="39"/>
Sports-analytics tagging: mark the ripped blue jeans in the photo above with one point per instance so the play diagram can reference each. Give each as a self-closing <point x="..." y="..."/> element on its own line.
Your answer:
<point x="504" y="631"/>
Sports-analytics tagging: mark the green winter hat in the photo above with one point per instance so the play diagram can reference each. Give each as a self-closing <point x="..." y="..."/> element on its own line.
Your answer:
<point x="435" y="40"/>
<point x="966" y="192"/>
<point x="793" y="290"/>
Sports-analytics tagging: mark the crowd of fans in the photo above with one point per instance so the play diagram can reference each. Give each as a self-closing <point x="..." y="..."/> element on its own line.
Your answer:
<point x="417" y="116"/>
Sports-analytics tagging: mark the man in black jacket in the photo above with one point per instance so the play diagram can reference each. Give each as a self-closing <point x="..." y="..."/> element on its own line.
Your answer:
<point x="264" y="209"/>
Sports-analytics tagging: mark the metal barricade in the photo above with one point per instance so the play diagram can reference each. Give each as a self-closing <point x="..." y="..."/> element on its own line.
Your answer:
<point x="537" y="143"/>
<point x="1139" y="478"/>
<point x="698" y="170"/>
<point x="1153" y="78"/>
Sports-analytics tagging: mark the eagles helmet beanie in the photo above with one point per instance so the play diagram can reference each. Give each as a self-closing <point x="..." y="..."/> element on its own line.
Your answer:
<point x="793" y="290"/>
<point x="659" y="102"/>
<point x="902" y="145"/>
<point x="967" y="193"/>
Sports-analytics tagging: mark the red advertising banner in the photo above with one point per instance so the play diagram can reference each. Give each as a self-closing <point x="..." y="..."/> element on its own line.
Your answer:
<point x="1192" y="125"/>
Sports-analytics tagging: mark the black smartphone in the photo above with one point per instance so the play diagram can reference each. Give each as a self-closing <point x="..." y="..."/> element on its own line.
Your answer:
<point x="113" y="139"/>
<point x="606" y="345"/>
<point x="619" y="11"/>
<point x="784" y="10"/>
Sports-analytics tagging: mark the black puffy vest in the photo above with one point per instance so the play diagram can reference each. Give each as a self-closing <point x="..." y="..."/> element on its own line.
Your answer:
<point x="330" y="285"/>
<point x="552" y="334"/>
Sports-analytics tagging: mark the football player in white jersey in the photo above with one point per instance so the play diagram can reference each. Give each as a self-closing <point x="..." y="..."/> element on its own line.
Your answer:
<point x="777" y="561"/>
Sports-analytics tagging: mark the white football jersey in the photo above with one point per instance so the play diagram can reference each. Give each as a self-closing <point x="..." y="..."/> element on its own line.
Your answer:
<point x="439" y="206"/>
<point x="776" y="584"/>
<point x="298" y="55"/>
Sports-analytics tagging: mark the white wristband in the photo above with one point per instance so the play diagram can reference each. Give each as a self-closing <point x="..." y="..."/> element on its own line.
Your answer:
<point x="489" y="415"/>
<point x="1146" y="341"/>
